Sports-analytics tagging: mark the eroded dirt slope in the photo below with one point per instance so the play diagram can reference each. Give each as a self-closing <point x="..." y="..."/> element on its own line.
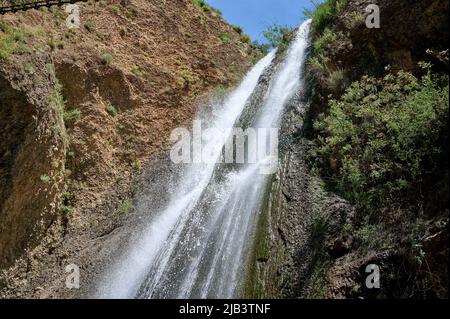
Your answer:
<point x="82" y="110"/>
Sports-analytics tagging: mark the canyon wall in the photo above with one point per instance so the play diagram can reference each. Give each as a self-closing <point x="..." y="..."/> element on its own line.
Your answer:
<point x="313" y="243"/>
<point x="82" y="112"/>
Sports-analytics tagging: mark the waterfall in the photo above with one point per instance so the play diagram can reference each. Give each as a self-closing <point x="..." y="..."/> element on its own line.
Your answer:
<point x="197" y="246"/>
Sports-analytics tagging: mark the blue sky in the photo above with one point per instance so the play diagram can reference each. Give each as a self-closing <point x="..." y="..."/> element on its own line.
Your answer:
<point x="255" y="15"/>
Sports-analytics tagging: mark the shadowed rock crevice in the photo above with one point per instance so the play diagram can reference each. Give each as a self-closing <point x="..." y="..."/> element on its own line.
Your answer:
<point x="32" y="158"/>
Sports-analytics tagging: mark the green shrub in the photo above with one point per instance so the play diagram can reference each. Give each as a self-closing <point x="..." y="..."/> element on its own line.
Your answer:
<point x="277" y="36"/>
<point x="369" y="237"/>
<point x="238" y="29"/>
<point x="244" y="38"/>
<point x="225" y="38"/>
<point x="44" y="178"/>
<point x="263" y="47"/>
<point x="220" y="92"/>
<point x="336" y="81"/>
<point x="12" y="41"/>
<point x="326" y="39"/>
<point x="51" y="43"/>
<point x="115" y="8"/>
<point x="317" y="59"/>
<point x="216" y="11"/>
<point x="324" y="13"/>
<point x="57" y="99"/>
<point x="72" y="115"/>
<point x="383" y="135"/>
<point x="201" y="4"/>
<point x="89" y="26"/>
<point x="125" y="207"/>
<point x="137" y="70"/>
<point x="354" y="19"/>
<point x="132" y="11"/>
<point x="66" y="209"/>
<point x="106" y="58"/>
<point x="111" y="110"/>
<point x="318" y="65"/>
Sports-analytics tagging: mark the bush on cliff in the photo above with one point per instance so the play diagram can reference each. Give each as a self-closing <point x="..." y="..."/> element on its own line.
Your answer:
<point x="323" y="14"/>
<point x="383" y="136"/>
<point x="277" y="36"/>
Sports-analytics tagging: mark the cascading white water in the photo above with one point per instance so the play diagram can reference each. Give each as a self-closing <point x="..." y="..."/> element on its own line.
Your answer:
<point x="196" y="247"/>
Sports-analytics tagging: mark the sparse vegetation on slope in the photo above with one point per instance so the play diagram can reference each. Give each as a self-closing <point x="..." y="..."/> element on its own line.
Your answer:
<point x="118" y="91"/>
<point x="379" y="125"/>
<point x="384" y="136"/>
<point x="374" y="186"/>
<point x="277" y="36"/>
<point x="324" y="14"/>
<point x="12" y="40"/>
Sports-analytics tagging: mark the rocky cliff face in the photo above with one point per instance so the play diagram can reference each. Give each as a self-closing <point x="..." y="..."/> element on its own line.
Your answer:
<point x="82" y="110"/>
<point x="287" y="259"/>
<point x="33" y="154"/>
<point x="314" y="244"/>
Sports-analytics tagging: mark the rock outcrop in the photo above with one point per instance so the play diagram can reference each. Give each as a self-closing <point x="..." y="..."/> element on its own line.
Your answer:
<point x="312" y="243"/>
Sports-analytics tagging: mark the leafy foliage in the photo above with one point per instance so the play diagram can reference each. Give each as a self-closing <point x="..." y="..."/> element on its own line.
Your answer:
<point x="263" y="47"/>
<point x="201" y="4"/>
<point x="323" y="38"/>
<point x="245" y="39"/>
<point x="72" y="115"/>
<point x="277" y="36"/>
<point x="225" y="38"/>
<point x="12" y="40"/>
<point x="106" y="58"/>
<point x="383" y="135"/>
<point x="238" y="29"/>
<point x="324" y="13"/>
<point x="322" y="42"/>
<point x="44" y="178"/>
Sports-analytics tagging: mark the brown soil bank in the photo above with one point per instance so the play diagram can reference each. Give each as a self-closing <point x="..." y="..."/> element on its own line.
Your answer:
<point x="314" y="244"/>
<point x="82" y="110"/>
